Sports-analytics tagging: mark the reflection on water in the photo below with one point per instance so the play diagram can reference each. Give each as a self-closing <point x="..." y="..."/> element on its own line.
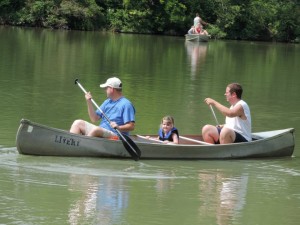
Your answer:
<point x="106" y="200"/>
<point x="164" y="185"/>
<point x="196" y="53"/>
<point x="115" y="199"/>
<point x="222" y="196"/>
<point x="103" y="191"/>
<point x="102" y="202"/>
<point x="232" y="199"/>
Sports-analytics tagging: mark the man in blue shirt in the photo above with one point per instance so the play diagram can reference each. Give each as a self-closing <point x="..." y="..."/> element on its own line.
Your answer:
<point x="116" y="107"/>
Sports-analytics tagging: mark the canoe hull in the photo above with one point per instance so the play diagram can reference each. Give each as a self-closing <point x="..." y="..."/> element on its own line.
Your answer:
<point x="197" y="37"/>
<point x="37" y="139"/>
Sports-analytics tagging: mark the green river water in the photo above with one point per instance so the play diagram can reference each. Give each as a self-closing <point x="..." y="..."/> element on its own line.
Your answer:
<point x="161" y="75"/>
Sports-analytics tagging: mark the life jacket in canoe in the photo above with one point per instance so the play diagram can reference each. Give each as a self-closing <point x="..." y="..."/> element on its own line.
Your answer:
<point x="168" y="136"/>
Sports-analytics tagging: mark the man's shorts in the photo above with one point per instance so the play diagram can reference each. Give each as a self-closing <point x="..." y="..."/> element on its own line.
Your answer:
<point x="106" y="133"/>
<point x="238" y="137"/>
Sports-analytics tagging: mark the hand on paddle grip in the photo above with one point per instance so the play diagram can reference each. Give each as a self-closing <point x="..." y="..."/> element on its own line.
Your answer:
<point x="88" y="96"/>
<point x="114" y="125"/>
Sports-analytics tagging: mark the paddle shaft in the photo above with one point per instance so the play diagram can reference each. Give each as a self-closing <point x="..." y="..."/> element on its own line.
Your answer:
<point x="213" y="112"/>
<point x="95" y="104"/>
<point x="194" y="140"/>
<point x="150" y="138"/>
<point x="131" y="148"/>
<point x="182" y="137"/>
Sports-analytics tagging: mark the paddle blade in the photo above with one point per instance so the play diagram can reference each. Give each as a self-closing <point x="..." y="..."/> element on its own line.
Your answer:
<point x="131" y="147"/>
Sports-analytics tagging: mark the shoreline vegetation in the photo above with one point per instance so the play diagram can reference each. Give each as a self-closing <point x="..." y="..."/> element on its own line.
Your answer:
<point x="253" y="20"/>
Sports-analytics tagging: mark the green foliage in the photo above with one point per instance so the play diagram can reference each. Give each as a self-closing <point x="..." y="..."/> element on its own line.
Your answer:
<point x="82" y="15"/>
<point x="216" y="32"/>
<point x="288" y="22"/>
<point x="176" y="14"/>
<point x="36" y="13"/>
<point x="233" y="19"/>
<point x="4" y="3"/>
<point x="9" y="9"/>
<point x="229" y="14"/>
<point x="148" y="16"/>
<point x="129" y="20"/>
<point x="259" y="20"/>
<point x="74" y="14"/>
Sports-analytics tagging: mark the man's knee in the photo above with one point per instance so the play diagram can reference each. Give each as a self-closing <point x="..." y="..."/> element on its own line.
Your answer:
<point x="77" y="122"/>
<point x="77" y="127"/>
<point x="227" y="136"/>
<point x="206" y="128"/>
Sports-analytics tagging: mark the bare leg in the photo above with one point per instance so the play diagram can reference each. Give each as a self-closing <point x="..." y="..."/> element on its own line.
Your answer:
<point x="96" y="132"/>
<point x="210" y="134"/>
<point x="227" y="136"/>
<point x="204" y="32"/>
<point x="78" y="127"/>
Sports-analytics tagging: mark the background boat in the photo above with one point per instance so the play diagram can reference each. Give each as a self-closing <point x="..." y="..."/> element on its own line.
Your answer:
<point x="197" y="37"/>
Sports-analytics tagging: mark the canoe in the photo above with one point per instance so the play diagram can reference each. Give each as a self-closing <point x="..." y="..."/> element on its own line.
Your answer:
<point x="37" y="139"/>
<point x="197" y="37"/>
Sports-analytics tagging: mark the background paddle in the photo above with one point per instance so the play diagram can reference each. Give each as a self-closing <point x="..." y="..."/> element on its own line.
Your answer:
<point x="130" y="146"/>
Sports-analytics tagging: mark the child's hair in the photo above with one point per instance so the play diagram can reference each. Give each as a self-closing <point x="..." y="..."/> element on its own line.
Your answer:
<point x="169" y="119"/>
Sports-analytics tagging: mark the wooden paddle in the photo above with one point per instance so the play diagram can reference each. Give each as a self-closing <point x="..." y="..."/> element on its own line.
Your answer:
<point x="194" y="140"/>
<point x="182" y="137"/>
<point x="149" y="138"/>
<point x="130" y="146"/>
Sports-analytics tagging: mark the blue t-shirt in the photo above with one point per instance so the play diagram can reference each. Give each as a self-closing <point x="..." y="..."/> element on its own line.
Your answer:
<point x="121" y="111"/>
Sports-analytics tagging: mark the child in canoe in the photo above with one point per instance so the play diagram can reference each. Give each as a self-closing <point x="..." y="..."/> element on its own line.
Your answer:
<point x="167" y="132"/>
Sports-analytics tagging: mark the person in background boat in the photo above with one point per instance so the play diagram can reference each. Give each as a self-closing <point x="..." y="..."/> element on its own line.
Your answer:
<point x="199" y="22"/>
<point x="237" y="127"/>
<point x="197" y="19"/>
<point x="167" y="132"/>
<point x="116" y="107"/>
<point x="197" y="29"/>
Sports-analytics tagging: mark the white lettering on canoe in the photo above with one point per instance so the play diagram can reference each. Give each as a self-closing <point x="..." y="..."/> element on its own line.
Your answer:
<point x="67" y="141"/>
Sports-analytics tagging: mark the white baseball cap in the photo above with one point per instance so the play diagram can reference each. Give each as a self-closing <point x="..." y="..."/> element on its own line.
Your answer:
<point x="113" y="82"/>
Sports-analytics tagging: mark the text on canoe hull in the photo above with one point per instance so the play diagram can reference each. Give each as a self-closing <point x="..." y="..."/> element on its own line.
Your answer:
<point x="66" y="140"/>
